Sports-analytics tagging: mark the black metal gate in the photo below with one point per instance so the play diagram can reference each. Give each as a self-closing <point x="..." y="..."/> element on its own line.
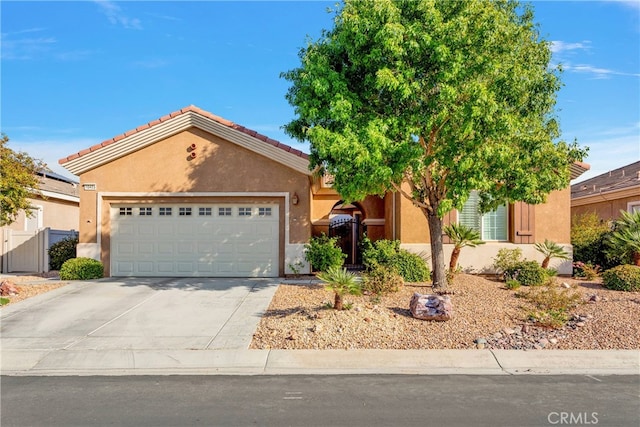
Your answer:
<point x="349" y="232"/>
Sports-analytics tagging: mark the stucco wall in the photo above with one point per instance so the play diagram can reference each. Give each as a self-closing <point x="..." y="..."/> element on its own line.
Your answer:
<point x="553" y="218"/>
<point x="606" y="209"/>
<point x="56" y="214"/>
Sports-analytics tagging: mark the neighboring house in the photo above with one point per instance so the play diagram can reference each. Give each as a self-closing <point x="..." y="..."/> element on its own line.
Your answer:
<point x="192" y="194"/>
<point x="55" y="209"/>
<point x="608" y="194"/>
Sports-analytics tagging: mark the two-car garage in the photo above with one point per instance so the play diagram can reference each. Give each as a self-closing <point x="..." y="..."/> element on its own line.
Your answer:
<point x="195" y="239"/>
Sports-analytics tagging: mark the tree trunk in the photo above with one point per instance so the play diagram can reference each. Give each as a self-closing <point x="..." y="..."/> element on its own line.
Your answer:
<point x="545" y="262"/>
<point x="636" y="258"/>
<point x="337" y="302"/>
<point x="438" y="275"/>
<point x="454" y="259"/>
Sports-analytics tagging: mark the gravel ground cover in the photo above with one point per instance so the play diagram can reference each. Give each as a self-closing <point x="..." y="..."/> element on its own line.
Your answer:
<point x="484" y="311"/>
<point x="30" y="286"/>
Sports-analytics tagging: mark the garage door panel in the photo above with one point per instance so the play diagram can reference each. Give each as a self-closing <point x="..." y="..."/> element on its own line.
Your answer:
<point x="197" y="244"/>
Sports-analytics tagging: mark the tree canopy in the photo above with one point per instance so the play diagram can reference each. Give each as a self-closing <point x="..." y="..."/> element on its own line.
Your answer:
<point x="446" y="97"/>
<point x="18" y="181"/>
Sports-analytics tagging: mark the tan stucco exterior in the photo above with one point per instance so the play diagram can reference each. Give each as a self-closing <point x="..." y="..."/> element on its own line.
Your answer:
<point x="166" y="167"/>
<point x="606" y="206"/>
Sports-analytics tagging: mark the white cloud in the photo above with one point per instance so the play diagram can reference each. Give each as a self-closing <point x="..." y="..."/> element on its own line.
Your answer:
<point x="558" y="47"/>
<point x="114" y="14"/>
<point x="597" y="72"/>
<point x="25" y="48"/>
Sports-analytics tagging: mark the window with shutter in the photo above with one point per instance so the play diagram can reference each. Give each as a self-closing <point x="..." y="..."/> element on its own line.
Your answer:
<point x="492" y="225"/>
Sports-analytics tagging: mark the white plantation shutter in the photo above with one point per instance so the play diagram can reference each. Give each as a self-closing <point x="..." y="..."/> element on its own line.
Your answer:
<point x="470" y="215"/>
<point x="492" y="225"/>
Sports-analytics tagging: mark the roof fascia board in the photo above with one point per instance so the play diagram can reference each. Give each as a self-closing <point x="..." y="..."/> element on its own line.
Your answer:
<point x="606" y="196"/>
<point x="163" y="130"/>
<point x="59" y="196"/>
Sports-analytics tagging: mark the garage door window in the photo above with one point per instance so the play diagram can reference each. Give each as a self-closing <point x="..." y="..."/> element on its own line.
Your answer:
<point x="244" y="211"/>
<point x="126" y="211"/>
<point x="145" y="211"/>
<point x="204" y="211"/>
<point x="184" y="212"/>
<point x="224" y="211"/>
<point x="165" y="212"/>
<point x="264" y="211"/>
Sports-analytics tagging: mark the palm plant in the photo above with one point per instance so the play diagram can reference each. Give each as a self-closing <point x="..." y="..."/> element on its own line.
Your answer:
<point x="624" y="240"/>
<point x="551" y="250"/>
<point x="341" y="282"/>
<point x="461" y="236"/>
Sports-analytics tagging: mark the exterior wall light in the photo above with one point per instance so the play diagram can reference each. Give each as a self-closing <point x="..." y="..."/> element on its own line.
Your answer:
<point x="294" y="198"/>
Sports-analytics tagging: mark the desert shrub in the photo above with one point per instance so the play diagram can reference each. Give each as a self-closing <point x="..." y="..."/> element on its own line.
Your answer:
<point x="387" y="253"/>
<point x="381" y="280"/>
<point x="341" y="282"/>
<point x="527" y="273"/>
<point x="586" y="270"/>
<point x="4" y="301"/>
<point x="622" y="278"/>
<point x="410" y="266"/>
<point x="81" y="269"/>
<point x="588" y="236"/>
<point x="61" y="251"/>
<point x="512" y="284"/>
<point x="551" y="304"/>
<point x="507" y="259"/>
<point x="379" y="252"/>
<point x="322" y="253"/>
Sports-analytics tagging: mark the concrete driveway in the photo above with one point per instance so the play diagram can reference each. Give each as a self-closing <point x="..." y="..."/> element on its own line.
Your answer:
<point x="137" y="314"/>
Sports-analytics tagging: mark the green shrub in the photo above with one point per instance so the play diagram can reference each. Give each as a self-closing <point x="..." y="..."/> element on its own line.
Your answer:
<point x="61" y="251"/>
<point x="387" y="253"/>
<point x="4" y="301"/>
<point x="81" y="269"/>
<point x="379" y="252"/>
<point x="512" y="284"/>
<point x="622" y="278"/>
<point x="381" y="280"/>
<point x="527" y="273"/>
<point x="588" y="235"/>
<point x="341" y="282"/>
<point x="322" y="253"/>
<point x="507" y="259"/>
<point x="410" y="266"/>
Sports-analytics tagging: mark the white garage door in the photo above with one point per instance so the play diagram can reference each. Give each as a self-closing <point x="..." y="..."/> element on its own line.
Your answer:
<point x="205" y="240"/>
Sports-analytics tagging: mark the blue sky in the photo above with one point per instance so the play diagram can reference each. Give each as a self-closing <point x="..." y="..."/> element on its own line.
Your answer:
<point x="76" y="73"/>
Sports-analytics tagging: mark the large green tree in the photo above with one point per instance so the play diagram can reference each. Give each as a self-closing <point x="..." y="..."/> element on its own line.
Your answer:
<point x="18" y="181"/>
<point x="444" y="97"/>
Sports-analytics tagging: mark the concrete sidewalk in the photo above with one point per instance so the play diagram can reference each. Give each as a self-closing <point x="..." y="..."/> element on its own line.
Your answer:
<point x="204" y="327"/>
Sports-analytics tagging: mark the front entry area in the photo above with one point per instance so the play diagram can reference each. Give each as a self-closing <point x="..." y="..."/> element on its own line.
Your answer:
<point x="195" y="240"/>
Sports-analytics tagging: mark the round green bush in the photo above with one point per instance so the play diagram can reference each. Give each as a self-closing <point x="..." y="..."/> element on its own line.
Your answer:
<point x="410" y="266"/>
<point x="322" y="253"/>
<point x="381" y="280"/>
<point x="81" y="269"/>
<point x="622" y="278"/>
<point x="62" y="251"/>
<point x="527" y="273"/>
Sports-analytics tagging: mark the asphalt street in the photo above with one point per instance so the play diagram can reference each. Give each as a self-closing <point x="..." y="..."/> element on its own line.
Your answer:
<point x="345" y="400"/>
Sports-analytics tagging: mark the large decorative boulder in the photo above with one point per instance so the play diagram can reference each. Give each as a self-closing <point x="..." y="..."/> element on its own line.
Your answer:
<point x="431" y="307"/>
<point x="8" y="288"/>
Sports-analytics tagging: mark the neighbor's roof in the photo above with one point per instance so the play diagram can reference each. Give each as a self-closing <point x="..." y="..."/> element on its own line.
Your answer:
<point x="618" y="179"/>
<point x="57" y="186"/>
<point x="176" y="122"/>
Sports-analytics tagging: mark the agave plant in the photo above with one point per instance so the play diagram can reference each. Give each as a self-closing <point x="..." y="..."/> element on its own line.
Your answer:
<point x="551" y="250"/>
<point x="341" y="282"/>
<point x="461" y="236"/>
<point x="624" y="240"/>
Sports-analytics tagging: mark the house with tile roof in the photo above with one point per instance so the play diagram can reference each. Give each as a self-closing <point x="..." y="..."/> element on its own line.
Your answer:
<point x="193" y="194"/>
<point x="609" y="193"/>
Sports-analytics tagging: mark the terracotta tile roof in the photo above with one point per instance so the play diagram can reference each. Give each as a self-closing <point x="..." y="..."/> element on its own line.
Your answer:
<point x="193" y="109"/>
<point x="617" y="179"/>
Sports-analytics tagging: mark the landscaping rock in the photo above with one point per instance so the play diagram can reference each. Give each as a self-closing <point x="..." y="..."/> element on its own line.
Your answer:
<point x="8" y="288"/>
<point x="431" y="307"/>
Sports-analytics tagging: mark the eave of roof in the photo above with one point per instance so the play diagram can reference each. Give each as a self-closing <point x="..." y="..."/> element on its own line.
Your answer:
<point x="578" y="168"/>
<point x="620" y="179"/>
<point x="176" y="122"/>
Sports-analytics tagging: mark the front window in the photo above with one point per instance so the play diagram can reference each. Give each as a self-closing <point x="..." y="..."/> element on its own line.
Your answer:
<point x="491" y="225"/>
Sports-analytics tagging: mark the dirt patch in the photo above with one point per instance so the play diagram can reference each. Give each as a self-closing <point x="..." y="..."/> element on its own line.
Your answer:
<point x="32" y="285"/>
